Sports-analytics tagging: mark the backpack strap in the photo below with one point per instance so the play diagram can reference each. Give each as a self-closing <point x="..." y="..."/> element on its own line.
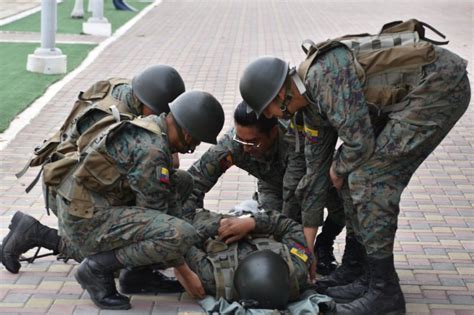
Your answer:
<point x="224" y="260"/>
<point x="413" y="25"/>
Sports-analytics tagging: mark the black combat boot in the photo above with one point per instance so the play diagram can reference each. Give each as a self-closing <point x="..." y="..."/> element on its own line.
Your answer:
<point x="96" y="275"/>
<point x="350" y="269"/>
<point x="147" y="279"/>
<point x="384" y="295"/>
<point x="324" y="248"/>
<point x="352" y="291"/>
<point x="26" y="233"/>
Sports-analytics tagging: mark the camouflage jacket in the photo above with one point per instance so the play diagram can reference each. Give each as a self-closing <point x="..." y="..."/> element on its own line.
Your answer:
<point x="339" y="109"/>
<point x="143" y="160"/>
<point x="278" y="171"/>
<point x="268" y="224"/>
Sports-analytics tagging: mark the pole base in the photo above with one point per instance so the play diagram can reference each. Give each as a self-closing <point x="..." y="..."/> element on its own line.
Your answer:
<point x="98" y="28"/>
<point x="47" y="64"/>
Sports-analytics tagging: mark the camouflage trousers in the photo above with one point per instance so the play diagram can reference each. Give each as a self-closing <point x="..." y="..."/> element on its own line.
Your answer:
<point x="372" y="192"/>
<point x="154" y="232"/>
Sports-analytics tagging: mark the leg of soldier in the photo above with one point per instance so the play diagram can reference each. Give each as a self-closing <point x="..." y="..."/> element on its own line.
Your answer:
<point x="118" y="237"/>
<point x="352" y="266"/>
<point x="27" y="233"/>
<point x="351" y="279"/>
<point x="333" y="225"/>
<point x="139" y="236"/>
<point x="409" y="137"/>
<point x="269" y="198"/>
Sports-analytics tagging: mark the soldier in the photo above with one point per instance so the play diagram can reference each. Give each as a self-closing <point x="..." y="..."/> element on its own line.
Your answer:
<point x="421" y="90"/>
<point x="260" y="260"/>
<point x="264" y="148"/>
<point x="104" y="103"/>
<point x="116" y="205"/>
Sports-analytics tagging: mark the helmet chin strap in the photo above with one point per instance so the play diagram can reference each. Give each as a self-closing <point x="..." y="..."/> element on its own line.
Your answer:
<point x="293" y="74"/>
<point x="187" y="148"/>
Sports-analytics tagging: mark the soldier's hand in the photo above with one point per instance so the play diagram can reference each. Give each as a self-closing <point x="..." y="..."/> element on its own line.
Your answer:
<point x="190" y="281"/>
<point x="336" y="180"/>
<point x="234" y="229"/>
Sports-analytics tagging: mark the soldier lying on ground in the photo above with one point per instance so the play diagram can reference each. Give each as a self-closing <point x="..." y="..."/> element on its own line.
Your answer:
<point x="259" y="259"/>
<point x="266" y="149"/>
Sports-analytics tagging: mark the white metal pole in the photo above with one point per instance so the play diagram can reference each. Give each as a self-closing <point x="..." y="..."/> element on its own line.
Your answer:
<point x="48" y="24"/>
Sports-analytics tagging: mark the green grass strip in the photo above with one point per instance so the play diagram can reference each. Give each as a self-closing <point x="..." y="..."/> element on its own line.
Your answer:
<point x="68" y="25"/>
<point x="20" y="87"/>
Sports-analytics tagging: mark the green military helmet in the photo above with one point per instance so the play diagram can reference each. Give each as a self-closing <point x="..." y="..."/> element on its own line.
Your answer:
<point x="262" y="80"/>
<point x="262" y="280"/>
<point x="200" y="114"/>
<point x="157" y="86"/>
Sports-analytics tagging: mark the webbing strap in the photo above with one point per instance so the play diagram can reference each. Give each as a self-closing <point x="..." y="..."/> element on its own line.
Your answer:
<point x="33" y="183"/>
<point x="24" y="169"/>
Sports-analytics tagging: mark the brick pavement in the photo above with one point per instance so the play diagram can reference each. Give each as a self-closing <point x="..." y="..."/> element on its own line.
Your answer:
<point x="210" y="42"/>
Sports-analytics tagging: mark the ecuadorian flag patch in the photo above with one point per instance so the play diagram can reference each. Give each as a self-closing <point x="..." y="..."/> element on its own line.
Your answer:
<point x="311" y="134"/>
<point x="165" y="175"/>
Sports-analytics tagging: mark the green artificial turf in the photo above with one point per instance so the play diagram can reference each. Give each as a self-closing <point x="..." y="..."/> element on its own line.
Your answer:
<point x="19" y="88"/>
<point x="68" y="25"/>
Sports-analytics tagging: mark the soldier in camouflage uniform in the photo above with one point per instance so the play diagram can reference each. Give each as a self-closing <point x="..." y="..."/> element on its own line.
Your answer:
<point x="266" y="149"/>
<point x="226" y="241"/>
<point x="116" y="205"/>
<point x="148" y="93"/>
<point x="425" y="96"/>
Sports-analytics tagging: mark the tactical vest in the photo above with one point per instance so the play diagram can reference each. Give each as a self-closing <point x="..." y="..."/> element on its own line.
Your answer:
<point x="389" y="64"/>
<point x="224" y="260"/>
<point x="63" y="145"/>
<point x="95" y="181"/>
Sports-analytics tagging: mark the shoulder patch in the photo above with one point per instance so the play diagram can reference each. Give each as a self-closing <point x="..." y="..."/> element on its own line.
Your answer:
<point x="165" y="175"/>
<point x="311" y="134"/>
<point x="226" y="162"/>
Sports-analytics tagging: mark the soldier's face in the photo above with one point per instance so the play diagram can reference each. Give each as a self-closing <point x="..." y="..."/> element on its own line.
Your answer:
<point x="253" y="141"/>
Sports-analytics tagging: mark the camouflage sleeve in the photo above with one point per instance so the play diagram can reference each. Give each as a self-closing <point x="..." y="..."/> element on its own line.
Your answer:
<point x="311" y="192"/>
<point x="139" y="154"/>
<point x="295" y="168"/>
<point x="206" y="224"/>
<point x="342" y="99"/>
<point x="283" y="229"/>
<point x="208" y="169"/>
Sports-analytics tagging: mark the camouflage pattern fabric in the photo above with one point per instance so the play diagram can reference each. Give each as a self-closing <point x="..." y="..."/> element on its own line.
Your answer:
<point x="282" y="229"/>
<point x="147" y="231"/>
<point x="280" y="162"/>
<point x="378" y="168"/>
<point x="278" y="174"/>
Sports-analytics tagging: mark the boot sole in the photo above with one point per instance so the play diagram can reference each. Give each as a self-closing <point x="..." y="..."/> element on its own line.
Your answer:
<point x="14" y="223"/>
<point x="97" y="303"/>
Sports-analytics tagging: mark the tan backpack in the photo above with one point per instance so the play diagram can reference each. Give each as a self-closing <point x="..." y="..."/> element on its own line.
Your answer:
<point x="58" y="154"/>
<point x="379" y="59"/>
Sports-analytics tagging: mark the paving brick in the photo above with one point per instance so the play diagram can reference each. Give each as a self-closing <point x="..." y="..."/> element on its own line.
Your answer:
<point x="434" y="245"/>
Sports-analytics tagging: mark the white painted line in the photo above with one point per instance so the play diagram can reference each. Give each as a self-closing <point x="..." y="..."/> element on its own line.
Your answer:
<point x="32" y="111"/>
<point x="37" y="41"/>
<point x="20" y="15"/>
